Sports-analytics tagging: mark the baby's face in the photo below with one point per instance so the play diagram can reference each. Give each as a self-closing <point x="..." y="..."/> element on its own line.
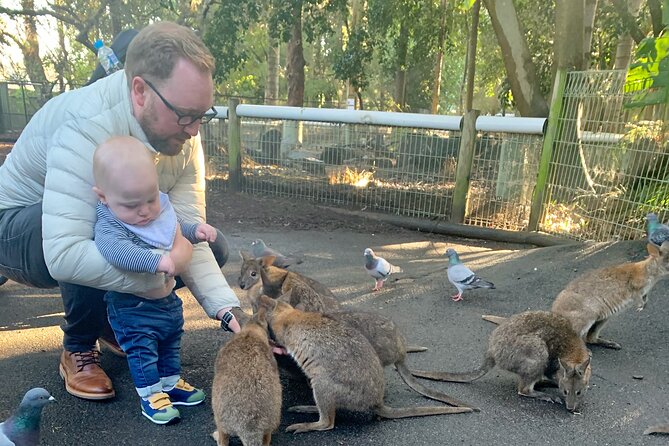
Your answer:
<point x="135" y="202"/>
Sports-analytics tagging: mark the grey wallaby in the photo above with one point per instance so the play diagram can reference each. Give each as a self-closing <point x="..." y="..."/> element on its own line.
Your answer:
<point x="591" y="299"/>
<point x="657" y="429"/>
<point x="534" y="345"/>
<point x="307" y="294"/>
<point x="391" y="348"/>
<point x="342" y="366"/>
<point x="246" y="391"/>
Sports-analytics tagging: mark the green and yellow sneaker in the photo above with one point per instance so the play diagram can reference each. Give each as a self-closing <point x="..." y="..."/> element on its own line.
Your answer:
<point x="158" y="408"/>
<point x="183" y="394"/>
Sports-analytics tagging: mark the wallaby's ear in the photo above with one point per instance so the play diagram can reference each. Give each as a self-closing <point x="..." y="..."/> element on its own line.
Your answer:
<point x="266" y="302"/>
<point x="653" y="250"/>
<point x="267" y="261"/>
<point x="245" y="255"/>
<point x="582" y="367"/>
<point x="285" y="297"/>
<point x="567" y="370"/>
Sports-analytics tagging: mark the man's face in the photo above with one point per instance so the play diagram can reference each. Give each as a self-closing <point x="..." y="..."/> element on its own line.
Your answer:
<point x="187" y="94"/>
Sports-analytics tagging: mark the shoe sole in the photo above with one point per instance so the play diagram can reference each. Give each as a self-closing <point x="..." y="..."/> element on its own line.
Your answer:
<point x="170" y="421"/>
<point x="83" y="395"/>
<point x="178" y="403"/>
<point x="112" y="349"/>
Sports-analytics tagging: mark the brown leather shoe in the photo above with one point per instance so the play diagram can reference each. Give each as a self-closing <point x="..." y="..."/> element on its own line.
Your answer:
<point x="84" y="377"/>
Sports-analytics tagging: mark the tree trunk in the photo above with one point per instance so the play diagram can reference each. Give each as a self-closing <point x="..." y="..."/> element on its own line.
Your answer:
<point x="31" y="57"/>
<point x="517" y="60"/>
<point x="272" y="82"/>
<point x="626" y="41"/>
<point x="471" y="55"/>
<point x="295" y="64"/>
<point x="569" y="34"/>
<point x="401" y="67"/>
<point x="439" y="61"/>
<point x="588" y="24"/>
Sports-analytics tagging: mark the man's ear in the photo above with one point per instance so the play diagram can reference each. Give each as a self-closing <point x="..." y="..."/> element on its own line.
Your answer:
<point x="100" y="194"/>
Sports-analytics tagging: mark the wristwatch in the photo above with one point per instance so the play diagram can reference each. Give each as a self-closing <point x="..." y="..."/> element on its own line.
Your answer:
<point x="225" y="321"/>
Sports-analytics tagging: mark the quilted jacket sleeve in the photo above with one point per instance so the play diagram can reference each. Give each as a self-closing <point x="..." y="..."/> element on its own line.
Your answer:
<point x="69" y="215"/>
<point x="203" y="277"/>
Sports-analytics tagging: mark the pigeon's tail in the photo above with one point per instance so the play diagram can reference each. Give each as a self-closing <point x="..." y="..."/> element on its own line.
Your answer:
<point x="480" y="283"/>
<point x="395" y="269"/>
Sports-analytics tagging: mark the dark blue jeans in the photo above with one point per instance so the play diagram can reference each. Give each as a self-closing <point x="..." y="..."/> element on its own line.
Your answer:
<point x="22" y="260"/>
<point x="149" y="331"/>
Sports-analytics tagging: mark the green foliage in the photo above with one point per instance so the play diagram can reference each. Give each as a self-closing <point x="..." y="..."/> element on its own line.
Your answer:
<point x="351" y="63"/>
<point x="648" y="76"/>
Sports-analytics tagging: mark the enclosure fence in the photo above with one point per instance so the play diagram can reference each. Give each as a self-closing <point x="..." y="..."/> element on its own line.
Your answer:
<point x="593" y="173"/>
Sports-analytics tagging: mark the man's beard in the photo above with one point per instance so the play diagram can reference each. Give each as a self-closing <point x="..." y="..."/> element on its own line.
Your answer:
<point x="160" y="144"/>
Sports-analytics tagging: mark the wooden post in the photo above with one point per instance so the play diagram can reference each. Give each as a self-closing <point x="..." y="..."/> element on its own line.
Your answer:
<point x="234" y="146"/>
<point x="547" y="149"/>
<point x="464" y="169"/>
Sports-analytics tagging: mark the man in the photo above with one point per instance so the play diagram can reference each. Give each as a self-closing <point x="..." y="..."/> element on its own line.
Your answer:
<point x="47" y="205"/>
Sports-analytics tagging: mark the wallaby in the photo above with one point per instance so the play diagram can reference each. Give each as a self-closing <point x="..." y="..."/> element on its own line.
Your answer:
<point x="343" y="368"/>
<point x="658" y="429"/>
<point x="534" y="345"/>
<point x="391" y="347"/>
<point x="307" y="294"/>
<point x="591" y="299"/>
<point x="246" y="391"/>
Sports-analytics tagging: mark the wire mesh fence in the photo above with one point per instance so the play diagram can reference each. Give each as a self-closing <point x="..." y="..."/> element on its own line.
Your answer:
<point x="610" y="163"/>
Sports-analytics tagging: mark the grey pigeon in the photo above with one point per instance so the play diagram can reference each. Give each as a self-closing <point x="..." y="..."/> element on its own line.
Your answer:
<point x="462" y="277"/>
<point x="260" y="249"/>
<point x="658" y="233"/>
<point x="22" y="428"/>
<point x="379" y="268"/>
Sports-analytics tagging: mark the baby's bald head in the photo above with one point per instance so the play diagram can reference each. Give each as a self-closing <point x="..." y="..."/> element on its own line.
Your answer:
<point x="121" y="160"/>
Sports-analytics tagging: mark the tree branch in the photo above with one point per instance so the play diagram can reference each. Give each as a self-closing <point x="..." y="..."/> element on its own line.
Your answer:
<point x="629" y="22"/>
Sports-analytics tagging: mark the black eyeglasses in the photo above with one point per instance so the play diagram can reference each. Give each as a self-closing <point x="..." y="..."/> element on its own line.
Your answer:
<point x="184" y="119"/>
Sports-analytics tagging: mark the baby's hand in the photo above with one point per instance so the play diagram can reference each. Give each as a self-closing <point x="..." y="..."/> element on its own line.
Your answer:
<point x="166" y="265"/>
<point x="205" y="232"/>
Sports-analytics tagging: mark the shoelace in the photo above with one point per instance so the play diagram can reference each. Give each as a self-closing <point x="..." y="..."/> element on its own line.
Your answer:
<point x="86" y="358"/>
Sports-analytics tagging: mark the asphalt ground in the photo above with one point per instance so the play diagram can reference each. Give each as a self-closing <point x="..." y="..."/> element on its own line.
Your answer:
<point x="628" y="392"/>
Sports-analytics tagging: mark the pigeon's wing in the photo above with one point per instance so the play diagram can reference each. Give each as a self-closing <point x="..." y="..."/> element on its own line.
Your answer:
<point x="382" y="268"/>
<point x="659" y="236"/>
<point x="4" y="441"/>
<point x="460" y="274"/>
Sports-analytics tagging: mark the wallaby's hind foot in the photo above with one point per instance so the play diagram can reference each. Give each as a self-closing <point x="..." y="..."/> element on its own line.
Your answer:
<point x="494" y="319"/>
<point x="658" y="429"/>
<point x="300" y="428"/>
<point x="531" y="393"/>
<point x="412" y="382"/>
<point x="303" y="409"/>
<point x="415" y="349"/>
<point x="406" y="412"/>
<point x="221" y="438"/>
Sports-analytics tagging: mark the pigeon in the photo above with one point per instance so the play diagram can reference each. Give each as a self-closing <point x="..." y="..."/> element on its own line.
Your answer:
<point x="22" y="428"/>
<point x="657" y="232"/>
<point x="260" y="249"/>
<point x="379" y="268"/>
<point x="462" y="277"/>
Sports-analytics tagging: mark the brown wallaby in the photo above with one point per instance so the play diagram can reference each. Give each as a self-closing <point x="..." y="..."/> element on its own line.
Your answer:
<point x="343" y="368"/>
<point x="591" y="299"/>
<point x="307" y="294"/>
<point x="246" y="391"/>
<point x="658" y="429"/>
<point x="391" y="348"/>
<point x="534" y="345"/>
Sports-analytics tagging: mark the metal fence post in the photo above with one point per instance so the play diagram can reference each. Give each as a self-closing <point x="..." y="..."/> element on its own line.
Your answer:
<point x="234" y="146"/>
<point x="547" y="149"/>
<point x="464" y="168"/>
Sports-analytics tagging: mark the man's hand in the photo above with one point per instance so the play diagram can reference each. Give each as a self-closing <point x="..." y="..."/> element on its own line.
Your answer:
<point x="205" y="232"/>
<point x="232" y="319"/>
<point x="166" y="265"/>
<point x="181" y="252"/>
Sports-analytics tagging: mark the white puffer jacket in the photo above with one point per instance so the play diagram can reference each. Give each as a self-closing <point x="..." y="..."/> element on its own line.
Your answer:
<point x="52" y="162"/>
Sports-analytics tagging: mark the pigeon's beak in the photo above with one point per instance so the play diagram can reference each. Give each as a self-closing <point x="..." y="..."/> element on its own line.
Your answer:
<point x="52" y="399"/>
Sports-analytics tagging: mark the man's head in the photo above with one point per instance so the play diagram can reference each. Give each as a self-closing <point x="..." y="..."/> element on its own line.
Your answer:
<point x="169" y="72"/>
<point x="126" y="180"/>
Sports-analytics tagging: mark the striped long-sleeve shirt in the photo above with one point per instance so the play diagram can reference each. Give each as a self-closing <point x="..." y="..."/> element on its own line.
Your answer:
<point x="126" y="250"/>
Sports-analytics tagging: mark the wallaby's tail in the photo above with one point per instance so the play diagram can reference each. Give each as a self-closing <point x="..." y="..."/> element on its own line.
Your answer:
<point x="494" y="319"/>
<point x="405" y="412"/>
<point x="659" y="429"/>
<point x="412" y="382"/>
<point x="463" y="377"/>
<point x="415" y="349"/>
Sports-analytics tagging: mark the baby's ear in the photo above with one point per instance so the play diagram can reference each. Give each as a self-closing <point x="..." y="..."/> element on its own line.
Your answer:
<point x="100" y="194"/>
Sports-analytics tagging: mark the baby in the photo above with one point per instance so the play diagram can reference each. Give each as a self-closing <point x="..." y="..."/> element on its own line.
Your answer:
<point x="133" y="219"/>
